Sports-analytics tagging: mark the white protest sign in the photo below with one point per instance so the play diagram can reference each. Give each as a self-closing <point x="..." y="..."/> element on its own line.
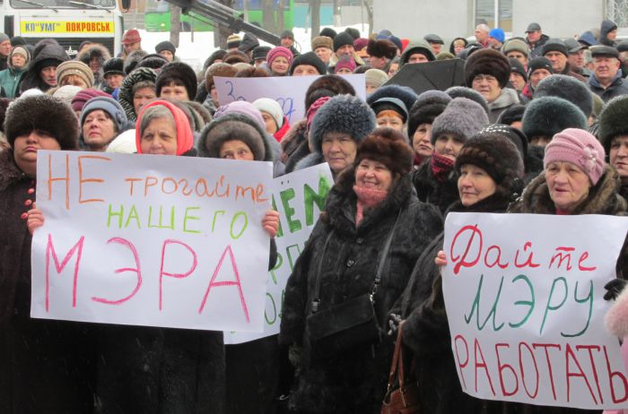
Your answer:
<point x="524" y="297"/>
<point x="288" y="91"/>
<point x="151" y="240"/>
<point x="299" y="197"/>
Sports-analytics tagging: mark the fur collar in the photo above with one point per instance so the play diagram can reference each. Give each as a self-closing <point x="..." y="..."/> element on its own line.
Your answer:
<point x="9" y="171"/>
<point x="506" y="98"/>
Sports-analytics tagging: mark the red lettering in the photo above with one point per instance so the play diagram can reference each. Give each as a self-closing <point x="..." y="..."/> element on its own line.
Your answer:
<point x="583" y="268"/>
<point x="175" y="275"/>
<point x="562" y="257"/>
<point x="589" y="349"/>
<point x="88" y="180"/>
<point x="150" y="181"/>
<point x="613" y="375"/>
<point x="78" y="247"/>
<point x="462" y="260"/>
<point x="523" y="373"/>
<point x="497" y="258"/>
<point x="569" y="355"/>
<point x="501" y="369"/>
<point x="481" y="363"/>
<point x="527" y="263"/>
<point x="463" y="365"/>
<point x="137" y="270"/>
<point x="549" y="364"/>
<point x="65" y="179"/>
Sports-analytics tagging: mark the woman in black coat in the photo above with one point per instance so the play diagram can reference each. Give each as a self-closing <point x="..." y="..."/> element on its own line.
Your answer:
<point x="370" y="201"/>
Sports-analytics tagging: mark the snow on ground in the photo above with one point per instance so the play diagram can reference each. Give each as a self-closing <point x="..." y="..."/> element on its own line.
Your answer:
<point x="196" y="51"/>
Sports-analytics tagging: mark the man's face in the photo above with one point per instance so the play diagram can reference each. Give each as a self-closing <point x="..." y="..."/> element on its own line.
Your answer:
<point x="619" y="156"/>
<point x="576" y="60"/>
<point x="515" y="54"/>
<point x="417" y="58"/>
<point x="559" y="61"/>
<point x="377" y="62"/>
<point x="287" y="42"/>
<point x="488" y="86"/>
<point x="167" y="55"/>
<point x="128" y="48"/>
<point x="49" y="75"/>
<point x="5" y="48"/>
<point x="323" y="53"/>
<point x="494" y="43"/>
<point x="436" y="47"/>
<point x="605" y="68"/>
<point x="538" y="75"/>
<point x="612" y="35"/>
<point x="517" y="81"/>
<point x="346" y="50"/>
<point x="534" y="36"/>
<point x="480" y="35"/>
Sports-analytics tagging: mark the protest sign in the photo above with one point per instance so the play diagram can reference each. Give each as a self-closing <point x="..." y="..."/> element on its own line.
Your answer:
<point x="151" y="240"/>
<point x="288" y="91"/>
<point x="524" y="298"/>
<point x="299" y="198"/>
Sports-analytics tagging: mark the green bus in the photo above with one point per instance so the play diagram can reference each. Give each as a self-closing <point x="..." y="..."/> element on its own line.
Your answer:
<point x="157" y="16"/>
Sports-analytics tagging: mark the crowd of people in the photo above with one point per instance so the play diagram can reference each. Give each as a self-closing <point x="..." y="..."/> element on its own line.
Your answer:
<point x="539" y="126"/>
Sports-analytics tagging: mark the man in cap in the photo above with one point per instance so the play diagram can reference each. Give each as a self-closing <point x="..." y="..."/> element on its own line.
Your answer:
<point x="131" y="41"/>
<point x="5" y="49"/>
<point x="481" y="34"/>
<point x="233" y="42"/>
<point x="556" y="52"/>
<point x="417" y="52"/>
<point x="517" y="49"/>
<point x="380" y="53"/>
<point x="435" y="42"/>
<point x="323" y="47"/>
<point x="343" y="47"/>
<point x="576" y="57"/>
<point x="287" y="41"/>
<point x="606" y="81"/>
<point x="538" y="69"/>
<point x="535" y="39"/>
<point x="496" y="38"/>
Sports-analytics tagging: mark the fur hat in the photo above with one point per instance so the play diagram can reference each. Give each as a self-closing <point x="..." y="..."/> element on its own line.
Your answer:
<point x="177" y="70"/>
<point x="381" y="48"/>
<point x="322" y="41"/>
<point x="134" y="58"/>
<point x="464" y="92"/>
<point x="612" y="121"/>
<point x="114" y="66"/>
<point x="233" y="126"/>
<point x="109" y="105"/>
<point x="344" y="114"/>
<point x="403" y="93"/>
<point x="389" y="147"/>
<point x="153" y="61"/>
<point x="327" y="85"/>
<point x="517" y="45"/>
<point x="97" y="51"/>
<point x="549" y="115"/>
<point x="376" y="77"/>
<point x="261" y="52"/>
<point x="342" y="39"/>
<point x="580" y="148"/>
<point x="235" y="56"/>
<point x="311" y="59"/>
<point x="166" y="45"/>
<point x="52" y="116"/>
<point x="487" y="62"/>
<point x="74" y="67"/>
<point x="496" y="154"/>
<point x="514" y="113"/>
<point x="426" y="108"/>
<point x="462" y="118"/>
<point x="218" y="69"/>
<point x="272" y="108"/>
<point x="67" y="93"/>
<point x="568" y="88"/>
<point x="79" y="100"/>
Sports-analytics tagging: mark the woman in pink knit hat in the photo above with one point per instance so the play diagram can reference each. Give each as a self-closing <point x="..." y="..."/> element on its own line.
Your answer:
<point x="279" y="60"/>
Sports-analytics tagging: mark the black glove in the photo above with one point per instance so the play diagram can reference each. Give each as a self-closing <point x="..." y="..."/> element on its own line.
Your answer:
<point x="614" y="288"/>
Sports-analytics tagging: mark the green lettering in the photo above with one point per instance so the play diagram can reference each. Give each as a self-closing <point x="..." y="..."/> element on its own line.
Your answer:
<point x="476" y="307"/>
<point x="119" y="214"/>
<point x="529" y="303"/>
<point x="233" y="220"/>
<point x="549" y="306"/>
<point x="186" y="217"/>
<point x="310" y="196"/>
<point x="286" y="196"/>
<point x="589" y="299"/>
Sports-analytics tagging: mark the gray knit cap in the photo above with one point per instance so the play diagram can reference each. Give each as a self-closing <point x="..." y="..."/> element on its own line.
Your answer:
<point x="462" y="117"/>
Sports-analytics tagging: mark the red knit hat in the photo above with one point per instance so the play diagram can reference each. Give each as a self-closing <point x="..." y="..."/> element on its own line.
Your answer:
<point x="131" y="36"/>
<point x="279" y="51"/>
<point x="85" y="95"/>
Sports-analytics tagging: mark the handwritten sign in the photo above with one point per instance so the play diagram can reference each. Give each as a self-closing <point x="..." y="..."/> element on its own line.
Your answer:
<point x="151" y="240"/>
<point x="288" y="91"/>
<point x="299" y="197"/>
<point x="524" y="297"/>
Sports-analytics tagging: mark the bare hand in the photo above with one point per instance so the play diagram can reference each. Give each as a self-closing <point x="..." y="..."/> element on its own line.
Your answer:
<point x="441" y="259"/>
<point x="35" y="219"/>
<point x="270" y="222"/>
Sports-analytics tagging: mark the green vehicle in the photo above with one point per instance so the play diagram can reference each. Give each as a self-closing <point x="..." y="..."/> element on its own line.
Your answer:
<point x="157" y="16"/>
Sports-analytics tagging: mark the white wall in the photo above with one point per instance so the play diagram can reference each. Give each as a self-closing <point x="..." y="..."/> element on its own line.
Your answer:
<point x="558" y="18"/>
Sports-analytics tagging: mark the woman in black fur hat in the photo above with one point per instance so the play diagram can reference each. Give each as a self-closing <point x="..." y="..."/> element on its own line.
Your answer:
<point x="95" y="57"/>
<point x="371" y="202"/>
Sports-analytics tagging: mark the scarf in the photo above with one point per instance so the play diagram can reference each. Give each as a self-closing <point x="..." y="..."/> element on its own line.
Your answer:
<point x="367" y="198"/>
<point x="441" y="166"/>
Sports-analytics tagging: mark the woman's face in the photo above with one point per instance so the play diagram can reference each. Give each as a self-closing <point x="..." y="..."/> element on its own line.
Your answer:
<point x="26" y="146"/>
<point x="159" y="138"/>
<point x="339" y="150"/>
<point x="392" y="69"/>
<point x="421" y="140"/>
<point x="73" y="80"/>
<point x="389" y="119"/>
<point x="236" y="150"/>
<point x="18" y="61"/>
<point x="142" y="96"/>
<point x="280" y="65"/>
<point x="448" y="146"/>
<point x="567" y="184"/>
<point x="474" y="184"/>
<point x="269" y="121"/>
<point x="458" y="46"/>
<point x="344" y="71"/>
<point x="98" y="129"/>
<point x="373" y="175"/>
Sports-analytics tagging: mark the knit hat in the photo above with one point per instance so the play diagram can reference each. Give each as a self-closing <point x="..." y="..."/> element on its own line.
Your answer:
<point x="555" y="45"/>
<point x="19" y="50"/>
<point x="322" y="41"/>
<point x="539" y="63"/>
<point x="376" y="77"/>
<point x="612" y="121"/>
<point x="248" y="43"/>
<point x="244" y="108"/>
<point x="549" y="115"/>
<point x="311" y="59"/>
<point x="497" y="34"/>
<point x="517" y="45"/>
<point x="345" y="62"/>
<point x="279" y="51"/>
<point x="568" y="88"/>
<point x="233" y="126"/>
<point x="517" y="67"/>
<point x="355" y="33"/>
<point x="360" y="44"/>
<point x="154" y="61"/>
<point x="342" y="39"/>
<point x="177" y="70"/>
<point x="233" y="41"/>
<point x="381" y="48"/>
<point x="344" y="114"/>
<point x="79" y="100"/>
<point x="165" y="45"/>
<point x="52" y="116"/>
<point x="18" y="41"/>
<point x="427" y="107"/>
<point x="580" y="148"/>
<point x="74" y="67"/>
<point x="218" y="69"/>
<point x="516" y="136"/>
<point x="272" y="108"/>
<point x="487" y="62"/>
<point x="67" y="93"/>
<point x="131" y="36"/>
<point x="287" y="34"/>
<point x="106" y="104"/>
<point x="389" y="147"/>
<point x="462" y="118"/>
<point x="496" y="154"/>
<point x="313" y="109"/>
<point x="328" y="32"/>
<point x="261" y="52"/>
<point x="464" y="92"/>
<point x="113" y="66"/>
<point x="185" y="137"/>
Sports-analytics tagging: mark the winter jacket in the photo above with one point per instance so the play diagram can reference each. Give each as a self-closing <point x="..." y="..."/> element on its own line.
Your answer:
<point x="617" y="88"/>
<point x="101" y="53"/>
<point x="47" y="366"/>
<point x="353" y="381"/>
<point x="281" y="132"/>
<point x="295" y="145"/>
<point x="536" y="49"/>
<point x="507" y="98"/>
<point x="47" y="53"/>
<point x="431" y="191"/>
<point x="11" y="77"/>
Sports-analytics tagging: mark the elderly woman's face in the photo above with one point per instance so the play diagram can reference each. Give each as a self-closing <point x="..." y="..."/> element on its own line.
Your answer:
<point x="474" y="184"/>
<point x="567" y="184"/>
<point x="159" y="137"/>
<point x="141" y="97"/>
<point x="339" y="150"/>
<point x="98" y="129"/>
<point x="448" y="146"/>
<point x="236" y="150"/>
<point x="373" y="175"/>
<point x="422" y="140"/>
